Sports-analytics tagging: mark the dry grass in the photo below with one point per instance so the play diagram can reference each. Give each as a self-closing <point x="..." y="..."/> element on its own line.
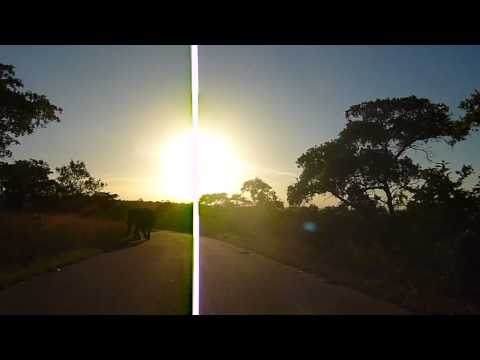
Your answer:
<point x="30" y="239"/>
<point x="394" y="264"/>
<point x="53" y="263"/>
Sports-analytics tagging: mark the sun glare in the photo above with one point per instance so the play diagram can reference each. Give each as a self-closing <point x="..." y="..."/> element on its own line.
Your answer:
<point x="220" y="169"/>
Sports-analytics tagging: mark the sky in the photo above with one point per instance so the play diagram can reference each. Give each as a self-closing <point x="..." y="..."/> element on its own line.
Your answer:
<point x="121" y="103"/>
<point x="124" y="104"/>
<point x="277" y="101"/>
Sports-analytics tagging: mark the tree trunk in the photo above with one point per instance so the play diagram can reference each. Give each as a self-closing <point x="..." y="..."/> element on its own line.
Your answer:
<point x="391" y="208"/>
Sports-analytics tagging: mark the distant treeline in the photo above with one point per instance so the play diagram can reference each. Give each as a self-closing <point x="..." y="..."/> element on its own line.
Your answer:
<point x="169" y="215"/>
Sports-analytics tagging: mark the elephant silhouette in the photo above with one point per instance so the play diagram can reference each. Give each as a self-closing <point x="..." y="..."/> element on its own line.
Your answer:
<point x="141" y="221"/>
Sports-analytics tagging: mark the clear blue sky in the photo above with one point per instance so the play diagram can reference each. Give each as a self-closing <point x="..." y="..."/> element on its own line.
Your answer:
<point x="273" y="101"/>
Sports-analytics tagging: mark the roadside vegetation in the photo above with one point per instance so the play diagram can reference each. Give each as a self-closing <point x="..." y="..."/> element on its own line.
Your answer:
<point x="402" y="231"/>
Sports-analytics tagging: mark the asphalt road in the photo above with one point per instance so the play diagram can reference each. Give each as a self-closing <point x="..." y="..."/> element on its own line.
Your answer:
<point x="153" y="277"/>
<point x="235" y="281"/>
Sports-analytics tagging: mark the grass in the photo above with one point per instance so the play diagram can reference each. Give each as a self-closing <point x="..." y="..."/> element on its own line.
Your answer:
<point x="401" y="264"/>
<point x="34" y="243"/>
<point x="15" y="275"/>
<point x="407" y="295"/>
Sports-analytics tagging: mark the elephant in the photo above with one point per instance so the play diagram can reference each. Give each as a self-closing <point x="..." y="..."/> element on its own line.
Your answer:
<point x="141" y="220"/>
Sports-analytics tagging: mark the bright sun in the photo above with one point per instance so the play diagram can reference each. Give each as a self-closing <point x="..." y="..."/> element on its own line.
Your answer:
<point x="219" y="169"/>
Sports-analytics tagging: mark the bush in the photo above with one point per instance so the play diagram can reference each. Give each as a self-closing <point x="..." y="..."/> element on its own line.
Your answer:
<point x="411" y="250"/>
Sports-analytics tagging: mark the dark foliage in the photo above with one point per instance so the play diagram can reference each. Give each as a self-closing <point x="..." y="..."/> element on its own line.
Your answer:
<point x="368" y="164"/>
<point x="75" y="180"/>
<point x="21" y="112"/>
<point x="25" y="181"/>
<point x="261" y="194"/>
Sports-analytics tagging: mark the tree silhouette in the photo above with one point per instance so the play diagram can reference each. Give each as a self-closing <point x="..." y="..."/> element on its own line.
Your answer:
<point x="21" y="112"/>
<point x="440" y="191"/>
<point x="239" y="200"/>
<point x="215" y="199"/>
<point x="24" y="181"/>
<point x="74" y="179"/>
<point x="471" y="107"/>
<point x="222" y="199"/>
<point x="261" y="193"/>
<point x="368" y="165"/>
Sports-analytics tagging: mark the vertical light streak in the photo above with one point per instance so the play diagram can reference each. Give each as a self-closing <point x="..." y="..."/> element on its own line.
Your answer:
<point x="196" y="181"/>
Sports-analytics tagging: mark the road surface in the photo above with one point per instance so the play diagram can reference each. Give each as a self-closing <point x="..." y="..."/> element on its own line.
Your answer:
<point x="151" y="278"/>
<point x="236" y="281"/>
<point x="154" y="278"/>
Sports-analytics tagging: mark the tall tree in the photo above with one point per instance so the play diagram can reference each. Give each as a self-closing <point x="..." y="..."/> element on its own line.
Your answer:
<point x="74" y="179"/>
<point x="261" y="193"/>
<point x="21" y="112"/>
<point x="368" y="164"/>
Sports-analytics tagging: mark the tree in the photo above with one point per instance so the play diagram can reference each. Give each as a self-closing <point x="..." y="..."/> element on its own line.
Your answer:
<point x="24" y="181"/>
<point x="440" y="190"/>
<point x="222" y="199"/>
<point x="104" y="200"/>
<point x="215" y="199"/>
<point x="471" y="107"/>
<point x="261" y="193"/>
<point x="21" y="112"/>
<point x="104" y="196"/>
<point x="75" y="180"/>
<point x="368" y="164"/>
<point x="239" y="200"/>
